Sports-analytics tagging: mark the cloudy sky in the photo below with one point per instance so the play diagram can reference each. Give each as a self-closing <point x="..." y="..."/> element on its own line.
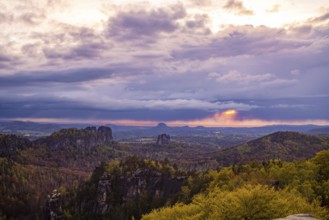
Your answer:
<point x="188" y="62"/>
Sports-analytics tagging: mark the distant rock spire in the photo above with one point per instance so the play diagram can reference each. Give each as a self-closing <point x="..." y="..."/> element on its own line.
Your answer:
<point x="163" y="139"/>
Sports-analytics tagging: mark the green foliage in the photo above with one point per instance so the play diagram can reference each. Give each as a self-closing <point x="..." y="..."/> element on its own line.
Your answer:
<point x="255" y="190"/>
<point x="128" y="188"/>
<point x="258" y="189"/>
<point x="286" y="146"/>
<point x="24" y="188"/>
<point x="321" y="160"/>
<point x="11" y="145"/>
<point x="249" y="202"/>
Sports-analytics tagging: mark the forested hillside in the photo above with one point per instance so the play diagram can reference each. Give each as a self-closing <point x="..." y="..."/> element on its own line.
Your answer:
<point x="286" y="146"/>
<point x="97" y="177"/>
<point x="267" y="190"/>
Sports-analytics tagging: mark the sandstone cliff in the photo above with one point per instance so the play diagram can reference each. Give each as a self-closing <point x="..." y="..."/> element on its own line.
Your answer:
<point x="163" y="139"/>
<point x="72" y="137"/>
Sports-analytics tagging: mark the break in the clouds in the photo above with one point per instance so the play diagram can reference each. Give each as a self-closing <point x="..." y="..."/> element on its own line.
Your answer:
<point x="182" y="62"/>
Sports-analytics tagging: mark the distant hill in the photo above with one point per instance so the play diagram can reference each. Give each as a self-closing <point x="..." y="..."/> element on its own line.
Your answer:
<point x="323" y="130"/>
<point x="287" y="146"/>
<point x="30" y="170"/>
<point x="28" y="129"/>
<point x="34" y="130"/>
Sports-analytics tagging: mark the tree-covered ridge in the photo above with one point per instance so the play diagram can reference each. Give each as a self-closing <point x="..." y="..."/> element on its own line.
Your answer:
<point x="286" y="146"/>
<point x="128" y="188"/>
<point x="140" y="184"/>
<point x="267" y="190"/>
<point x="81" y="149"/>
<point x="24" y="188"/>
<point x="85" y="148"/>
<point x="12" y="145"/>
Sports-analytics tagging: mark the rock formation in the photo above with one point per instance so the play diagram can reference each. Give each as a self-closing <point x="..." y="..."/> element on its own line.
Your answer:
<point x="120" y="190"/>
<point x="103" y="189"/>
<point x="54" y="207"/>
<point x="88" y="137"/>
<point x="104" y="134"/>
<point x="163" y="139"/>
<point x="142" y="182"/>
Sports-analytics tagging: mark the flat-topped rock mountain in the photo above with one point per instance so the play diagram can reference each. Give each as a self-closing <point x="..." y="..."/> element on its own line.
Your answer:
<point x="73" y="137"/>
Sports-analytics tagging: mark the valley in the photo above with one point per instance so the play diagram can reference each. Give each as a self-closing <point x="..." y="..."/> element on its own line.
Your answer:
<point x="98" y="176"/>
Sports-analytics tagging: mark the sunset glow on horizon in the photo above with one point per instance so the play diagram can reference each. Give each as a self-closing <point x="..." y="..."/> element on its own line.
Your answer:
<point x="213" y="121"/>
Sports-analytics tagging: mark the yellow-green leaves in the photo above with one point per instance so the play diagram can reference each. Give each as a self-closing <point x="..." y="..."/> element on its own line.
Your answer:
<point x="249" y="202"/>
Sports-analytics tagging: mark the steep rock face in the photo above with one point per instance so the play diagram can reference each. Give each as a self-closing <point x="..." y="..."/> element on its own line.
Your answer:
<point x="88" y="137"/>
<point x="124" y="189"/>
<point x="298" y="217"/>
<point x="142" y="184"/>
<point x="103" y="191"/>
<point x="104" y="134"/>
<point x="53" y="206"/>
<point x="163" y="139"/>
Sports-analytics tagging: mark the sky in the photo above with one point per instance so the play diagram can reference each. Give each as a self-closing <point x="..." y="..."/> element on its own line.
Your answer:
<point x="215" y="63"/>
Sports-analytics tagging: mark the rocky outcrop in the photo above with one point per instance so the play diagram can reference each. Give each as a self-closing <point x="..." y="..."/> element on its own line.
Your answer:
<point x="104" y="134"/>
<point x="54" y="206"/>
<point x="163" y="139"/>
<point x="129" y="188"/>
<point x="72" y="137"/>
<point x="142" y="183"/>
<point x="298" y="217"/>
<point x="103" y="191"/>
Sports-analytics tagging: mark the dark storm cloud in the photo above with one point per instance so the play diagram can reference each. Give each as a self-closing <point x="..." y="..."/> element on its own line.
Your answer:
<point x="237" y="7"/>
<point x="134" y="24"/>
<point x="8" y="60"/>
<point x="65" y="76"/>
<point x="242" y="40"/>
<point x="57" y="108"/>
<point x="74" y="43"/>
<point x="292" y="108"/>
<point x="42" y="107"/>
<point x="53" y="107"/>
<point x="68" y="36"/>
<point x="4" y="58"/>
<point x="83" y="51"/>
